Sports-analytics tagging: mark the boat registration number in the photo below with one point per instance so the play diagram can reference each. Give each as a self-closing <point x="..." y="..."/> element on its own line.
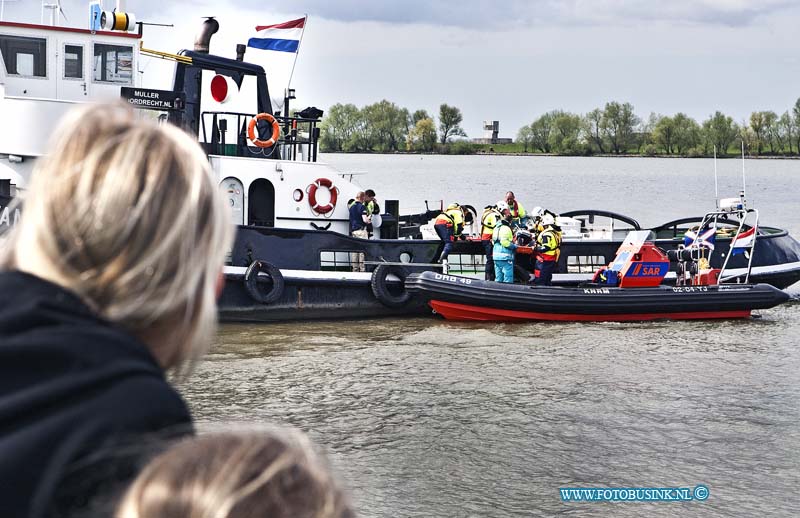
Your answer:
<point x="452" y="278"/>
<point x="689" y="289"/>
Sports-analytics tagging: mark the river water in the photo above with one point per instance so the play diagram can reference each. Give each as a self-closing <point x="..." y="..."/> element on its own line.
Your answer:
<point x="426" y="418"/>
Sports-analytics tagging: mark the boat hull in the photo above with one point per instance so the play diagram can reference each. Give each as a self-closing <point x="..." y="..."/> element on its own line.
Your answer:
<point x="311" y="295"/>
<point x="462" y="298"/>
<point x="463" y="312"/>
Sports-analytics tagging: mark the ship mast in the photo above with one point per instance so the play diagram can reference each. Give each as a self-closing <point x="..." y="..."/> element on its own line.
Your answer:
<point x="55" y="9"/>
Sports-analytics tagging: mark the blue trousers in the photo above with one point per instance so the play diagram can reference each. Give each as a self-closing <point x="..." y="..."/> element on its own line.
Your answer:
<point x="504" y="270"/>
<point x="545" y="270"/>
<point x="445" y="233"/>
<point x="488" y="249"/>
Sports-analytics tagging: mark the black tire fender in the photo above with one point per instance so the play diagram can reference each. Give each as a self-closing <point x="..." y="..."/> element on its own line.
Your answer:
<point x="380" y="287"/>
<point x="252" y="286"/>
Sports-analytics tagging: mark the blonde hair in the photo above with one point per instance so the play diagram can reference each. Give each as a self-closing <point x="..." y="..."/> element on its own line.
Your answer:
<point x="125" y="213"/>
<point x="262" y="474"/>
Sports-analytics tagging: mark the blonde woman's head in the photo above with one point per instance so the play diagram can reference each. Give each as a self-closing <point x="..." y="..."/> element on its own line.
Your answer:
<point x="237" y="475"/>
<point x="125" y="213"/>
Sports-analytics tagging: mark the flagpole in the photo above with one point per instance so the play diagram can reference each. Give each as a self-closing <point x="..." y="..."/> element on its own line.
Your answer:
<point x="744" y="186"/>
<point x="297" y="52"/>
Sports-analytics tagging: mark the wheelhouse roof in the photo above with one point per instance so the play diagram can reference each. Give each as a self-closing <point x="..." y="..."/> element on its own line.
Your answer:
<point x="38" y="27"/>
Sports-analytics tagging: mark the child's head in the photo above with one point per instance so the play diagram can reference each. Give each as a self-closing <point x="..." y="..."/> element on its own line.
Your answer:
<point x="237" y="475"/>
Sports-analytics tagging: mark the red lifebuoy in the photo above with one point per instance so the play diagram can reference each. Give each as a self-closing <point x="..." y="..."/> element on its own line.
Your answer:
<point x="251" y="130"/>
<point x="312" y="195"/>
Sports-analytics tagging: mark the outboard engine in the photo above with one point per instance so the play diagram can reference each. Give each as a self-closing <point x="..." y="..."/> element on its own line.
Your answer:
<point x="687" y="263"/>
<point x="693" y="267"/>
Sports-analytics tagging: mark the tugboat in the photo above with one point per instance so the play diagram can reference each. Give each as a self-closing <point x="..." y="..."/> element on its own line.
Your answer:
<point x="293" y="257"/>
<point x="629" y="289"/>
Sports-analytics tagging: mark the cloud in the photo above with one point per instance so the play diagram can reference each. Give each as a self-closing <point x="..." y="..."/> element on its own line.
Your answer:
<point x="689" y="12"/>
<point x="529" y="13"/>
<point x="691" y="56"/>
<point x="476" y="14"/>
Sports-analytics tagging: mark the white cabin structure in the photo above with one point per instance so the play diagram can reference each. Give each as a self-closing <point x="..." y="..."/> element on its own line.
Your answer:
<point x="44" y="71"/>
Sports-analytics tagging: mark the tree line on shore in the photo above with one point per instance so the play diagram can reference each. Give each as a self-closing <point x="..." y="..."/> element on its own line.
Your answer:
<point x="386" y="127"/>
<point x="613" y="129"/>
<point x="616" y="129"/>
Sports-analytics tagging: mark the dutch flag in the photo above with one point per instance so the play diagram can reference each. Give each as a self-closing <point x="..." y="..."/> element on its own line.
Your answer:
<point x="743" y="241"/>
<point x="282" y="37"/>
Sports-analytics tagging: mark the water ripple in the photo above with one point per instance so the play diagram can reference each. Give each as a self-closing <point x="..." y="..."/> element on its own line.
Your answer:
<point x="423" y="417"/>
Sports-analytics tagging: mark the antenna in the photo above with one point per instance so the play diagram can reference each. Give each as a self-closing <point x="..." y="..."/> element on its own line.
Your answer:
<point x="744" y="186"/>
<point x="55" y="10"/>
<point x="716" y="185"/>
<point x="60" y="10"/>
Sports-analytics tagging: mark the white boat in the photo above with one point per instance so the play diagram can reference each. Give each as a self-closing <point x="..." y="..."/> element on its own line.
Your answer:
<point x="291" y="210"/>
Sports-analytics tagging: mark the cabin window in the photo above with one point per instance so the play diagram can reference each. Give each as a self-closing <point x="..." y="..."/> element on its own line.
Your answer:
<point x="466" y="264"/>
<point x="585" y="263"/>
<point x="73" y="62"/>
<point x="24" y="56"/>
<point x="113" y="63"/>
<point x="338" y="261"/>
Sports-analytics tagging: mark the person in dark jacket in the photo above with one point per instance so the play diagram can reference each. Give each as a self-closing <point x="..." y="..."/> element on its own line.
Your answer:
<point x="109" y="280"/>
<point x="359" y="219"/>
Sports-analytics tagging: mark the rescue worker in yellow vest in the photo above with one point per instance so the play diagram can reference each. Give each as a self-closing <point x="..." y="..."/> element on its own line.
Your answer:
<point x="503" y="252"/>
<point x="516" y="209"/>
<point x="548" y="249"/>
<point x="448" y="226"/>
<point x="489" y="220"/>
<point x="371" y="204"/>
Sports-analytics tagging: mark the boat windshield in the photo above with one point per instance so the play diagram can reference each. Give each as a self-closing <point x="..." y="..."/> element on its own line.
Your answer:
<point x="636" y="238"/>
<point x="630" y="245"/>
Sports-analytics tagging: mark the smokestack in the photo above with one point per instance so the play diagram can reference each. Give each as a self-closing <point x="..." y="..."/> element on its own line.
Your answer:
<point x="203" y="39"/>
<point x="240" y="50"/>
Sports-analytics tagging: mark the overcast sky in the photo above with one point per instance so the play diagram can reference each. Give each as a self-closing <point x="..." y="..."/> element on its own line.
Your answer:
<point x="509" y="61"/>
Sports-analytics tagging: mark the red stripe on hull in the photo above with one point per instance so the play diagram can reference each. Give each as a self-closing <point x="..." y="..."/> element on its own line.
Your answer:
<point x="452" y="311"/>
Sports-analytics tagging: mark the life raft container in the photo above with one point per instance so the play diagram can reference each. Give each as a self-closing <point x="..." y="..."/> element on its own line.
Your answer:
<point x="251" y="130"/>
<point x="255" y="289"/>
<point x="312" y="196"/>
